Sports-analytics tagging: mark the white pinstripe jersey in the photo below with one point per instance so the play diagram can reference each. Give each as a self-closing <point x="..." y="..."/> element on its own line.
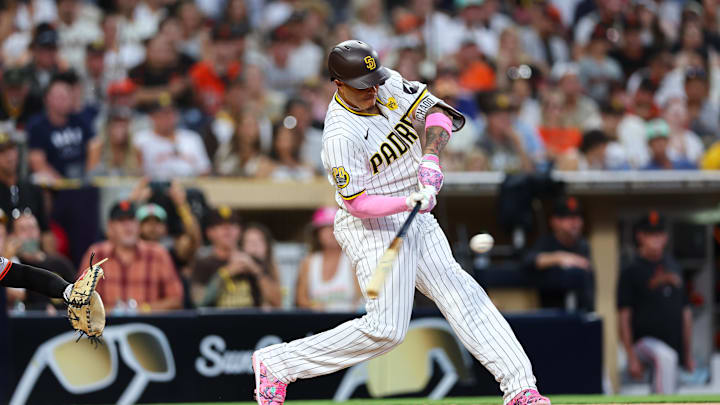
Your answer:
<point x="376" y="153"/>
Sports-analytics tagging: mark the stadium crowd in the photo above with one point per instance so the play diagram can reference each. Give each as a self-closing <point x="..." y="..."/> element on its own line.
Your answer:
<point x="168" y="89"/>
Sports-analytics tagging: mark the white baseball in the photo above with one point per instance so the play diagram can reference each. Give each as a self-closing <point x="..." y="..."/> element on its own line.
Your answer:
<point x="482" y="243"/>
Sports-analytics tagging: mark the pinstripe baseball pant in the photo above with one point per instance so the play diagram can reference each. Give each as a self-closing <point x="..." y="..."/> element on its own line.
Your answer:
<point x="424" y="262"/>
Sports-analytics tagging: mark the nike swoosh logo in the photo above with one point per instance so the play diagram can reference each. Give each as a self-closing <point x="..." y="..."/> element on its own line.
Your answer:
<point x="367" y="134"/>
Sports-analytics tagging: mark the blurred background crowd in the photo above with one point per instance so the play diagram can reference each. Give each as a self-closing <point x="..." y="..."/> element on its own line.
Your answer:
<point x="170" y="89"/>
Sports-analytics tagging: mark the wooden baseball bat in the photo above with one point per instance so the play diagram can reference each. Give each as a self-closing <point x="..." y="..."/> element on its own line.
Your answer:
<point x="388" y="258"/>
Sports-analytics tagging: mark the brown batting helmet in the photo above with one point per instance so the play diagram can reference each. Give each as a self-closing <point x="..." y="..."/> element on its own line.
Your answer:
<point x="356" y="63"/>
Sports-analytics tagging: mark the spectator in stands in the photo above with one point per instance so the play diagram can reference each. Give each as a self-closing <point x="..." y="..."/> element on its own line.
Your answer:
<point x="162" y="72"/>
<point x="139" y="274"/>
<point x="683" y="143"/>
<point x="326" y="281"/>
<point x="477" y="20"/>
<point x="16" y="195"/>
<point x="505" y="147"/>
<point x="210" y="76"/>
<point x="223" y="230"/>
<point x="310" y="136"/>
<point x="591" y="156"/>
<point x="631" y="129"/>
<point x="154" y="227"/>
<point x="95" y="78"/>
<point x="285" y="153"/>
<point x="45" y="62"/>
<point x="241" y="155"/>
<point x="257" y="241"/>
<point x="58" y="139"/>
<point x="558" y="135"/>
<point x="191" y="24"/>
<point x="166" y="151"/>
<point x="581" y="111"/>
<point x="370" y="25"/>
<point x="511" y="54"/>
<point x="524" y="81"/>
<point x="247" y="92"/>
<point x="632" y="53"/>
<point x="18" y="105"/>
<point x="704" y="112"/>
<point x="658" y="139"/>
<point x="561" y="259"/>
<point x="544" y="39"/>
<point x="111" y="152"/>
<point x="655" y="318"/>
<point x="26" y="239"/>
<point x="231" y="277"/>
<point x="596" y="69"/>
<point x="612" y="112"/>
<point x="75" y="32"/>
<point x="476" y="74"/>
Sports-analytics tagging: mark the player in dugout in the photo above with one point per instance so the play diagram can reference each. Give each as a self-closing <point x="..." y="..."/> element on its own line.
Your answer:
<point x="381" y="168"/>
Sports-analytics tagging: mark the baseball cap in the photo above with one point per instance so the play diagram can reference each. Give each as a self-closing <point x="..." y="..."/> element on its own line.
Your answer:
<point x="6" y="141"/>
<point x="45" y="36"/>
<point x="652" y="222"/>
<point x="496" y="102"/>
<point x="656" y="128"/>
<point x="460" y="4"/>
<point x="122" y="210"/>
<point x="566" y="206"/>
<point x="151" y="210"/>
<point x="15" y="76"/>
<point x="222" y="215"/>
<point x="613" y="107"/>
<point x="121" y="87"/>
<point x="163" y="101"/>
<point x="323" y="216"/>
<point x="96" y="47"/>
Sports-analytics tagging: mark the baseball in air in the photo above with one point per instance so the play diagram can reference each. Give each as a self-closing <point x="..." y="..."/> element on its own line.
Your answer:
<point x="482" y="243"/>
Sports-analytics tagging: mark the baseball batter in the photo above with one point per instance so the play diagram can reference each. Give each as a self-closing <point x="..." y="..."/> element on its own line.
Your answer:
<point x="375" y="159"/>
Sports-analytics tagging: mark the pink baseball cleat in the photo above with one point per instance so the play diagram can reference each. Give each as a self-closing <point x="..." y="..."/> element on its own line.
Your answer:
<point x="268" y="389"/>
<point x="529" y="397"/>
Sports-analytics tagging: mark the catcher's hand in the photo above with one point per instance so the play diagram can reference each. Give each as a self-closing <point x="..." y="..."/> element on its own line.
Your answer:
<point x="85" y="307"/>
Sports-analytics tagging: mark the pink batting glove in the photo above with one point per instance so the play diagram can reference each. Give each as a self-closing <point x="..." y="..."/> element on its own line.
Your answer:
<point x="430" y="172"/>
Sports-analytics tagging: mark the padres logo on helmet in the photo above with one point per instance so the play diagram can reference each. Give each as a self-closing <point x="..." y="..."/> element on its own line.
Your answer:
<point x="356" y="63"/>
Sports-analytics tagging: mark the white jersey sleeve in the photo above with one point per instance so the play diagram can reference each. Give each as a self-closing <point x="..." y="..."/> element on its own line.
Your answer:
<point x="346" y="164"/>
<point x="411" y="96"/>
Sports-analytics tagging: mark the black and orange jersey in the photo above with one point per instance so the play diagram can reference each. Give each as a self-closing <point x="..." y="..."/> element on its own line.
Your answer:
<point x="5" y="265"/>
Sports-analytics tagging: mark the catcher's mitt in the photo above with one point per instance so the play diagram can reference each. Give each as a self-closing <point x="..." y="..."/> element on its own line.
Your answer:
<point x="85" y="307"/>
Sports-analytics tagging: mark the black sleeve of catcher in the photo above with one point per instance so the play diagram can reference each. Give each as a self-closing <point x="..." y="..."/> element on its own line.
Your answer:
<point x="34" y="279"/>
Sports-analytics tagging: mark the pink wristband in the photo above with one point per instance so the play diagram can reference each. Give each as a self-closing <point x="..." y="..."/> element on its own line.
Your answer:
<point x="432" y="158"/>
<point x="439" y="120"/>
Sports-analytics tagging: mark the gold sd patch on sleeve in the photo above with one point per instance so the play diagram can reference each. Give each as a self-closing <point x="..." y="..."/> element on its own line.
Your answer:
<point x="341" y="176"/>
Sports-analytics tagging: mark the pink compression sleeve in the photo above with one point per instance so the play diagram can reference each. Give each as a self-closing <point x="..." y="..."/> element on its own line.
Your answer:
<point x="373" y="206"/>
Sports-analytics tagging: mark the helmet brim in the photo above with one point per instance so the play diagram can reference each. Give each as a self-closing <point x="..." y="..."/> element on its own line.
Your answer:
<point x="375" y="78"/>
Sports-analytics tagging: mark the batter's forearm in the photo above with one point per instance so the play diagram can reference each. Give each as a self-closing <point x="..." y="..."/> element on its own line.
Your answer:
<point x="436" y="137"/>
<point x="34" y="279"/>
<point x="375" y="206"/>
